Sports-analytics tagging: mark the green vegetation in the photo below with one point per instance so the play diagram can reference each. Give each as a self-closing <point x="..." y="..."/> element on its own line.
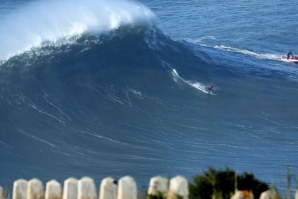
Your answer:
<point x="6" y="193"/>
<point x="159" y="195"/>
<point x="221" y="184"/>
<point x="288" y="185"/>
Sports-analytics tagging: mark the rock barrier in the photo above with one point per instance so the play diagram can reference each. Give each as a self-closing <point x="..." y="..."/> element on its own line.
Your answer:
<point x="85" y="188"/>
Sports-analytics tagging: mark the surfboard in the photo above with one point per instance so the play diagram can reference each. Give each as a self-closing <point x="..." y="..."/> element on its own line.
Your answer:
<point x="212" y="93"/>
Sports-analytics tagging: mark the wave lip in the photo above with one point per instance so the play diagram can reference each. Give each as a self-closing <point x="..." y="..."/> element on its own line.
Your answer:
<point x="52" y="21"/>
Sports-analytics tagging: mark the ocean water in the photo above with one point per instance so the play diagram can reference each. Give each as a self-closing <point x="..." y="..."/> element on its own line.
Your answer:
<point x="114" y="88"/>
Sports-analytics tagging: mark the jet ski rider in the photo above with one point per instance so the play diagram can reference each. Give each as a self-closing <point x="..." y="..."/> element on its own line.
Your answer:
<point x="290" y="54"/>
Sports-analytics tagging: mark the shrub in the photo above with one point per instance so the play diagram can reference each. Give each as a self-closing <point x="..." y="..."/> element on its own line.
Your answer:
<point x="221" y="184"/>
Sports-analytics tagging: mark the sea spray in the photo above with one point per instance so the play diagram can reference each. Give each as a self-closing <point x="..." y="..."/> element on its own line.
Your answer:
<point x="54" y="21"/>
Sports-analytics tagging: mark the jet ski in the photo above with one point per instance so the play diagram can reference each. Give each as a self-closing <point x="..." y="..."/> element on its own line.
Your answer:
<point x="291" y="59"/>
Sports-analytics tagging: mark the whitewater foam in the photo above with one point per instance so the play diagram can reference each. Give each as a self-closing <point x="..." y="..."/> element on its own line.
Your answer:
<point x="196" y="85"/>
<point x="52" y="21"/>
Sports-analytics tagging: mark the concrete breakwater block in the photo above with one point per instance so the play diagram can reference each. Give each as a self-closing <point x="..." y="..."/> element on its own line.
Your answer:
<point x="178" y="188"/>
<point x="86" y="188"/>
<point x="127" y="188"/>
<point x="70" y="189"/>
<point x="53" y="190"/>
<point x="20" y="189"/>
<point x="35" y="189"/>
<point x="108" y="189"/>
<point x="158" y="185"/>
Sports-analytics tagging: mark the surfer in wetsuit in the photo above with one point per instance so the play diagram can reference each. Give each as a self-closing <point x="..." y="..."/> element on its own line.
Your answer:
<point x="290" y="54"/>
<point x="210" y="88"/>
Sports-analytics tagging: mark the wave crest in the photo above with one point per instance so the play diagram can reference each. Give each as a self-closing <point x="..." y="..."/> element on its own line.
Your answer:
<point x="37" y="23"/>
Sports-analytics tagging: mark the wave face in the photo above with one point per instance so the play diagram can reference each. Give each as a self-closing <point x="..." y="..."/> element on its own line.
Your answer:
<point x="87" y="91"/>
<point x="96" y="88"/>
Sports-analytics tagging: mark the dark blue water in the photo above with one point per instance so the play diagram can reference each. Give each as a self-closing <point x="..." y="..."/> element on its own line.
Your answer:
<point x="114" y="88"/>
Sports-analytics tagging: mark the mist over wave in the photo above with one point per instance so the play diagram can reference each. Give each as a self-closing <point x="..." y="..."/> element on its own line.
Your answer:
<point x="53" y="21"/>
